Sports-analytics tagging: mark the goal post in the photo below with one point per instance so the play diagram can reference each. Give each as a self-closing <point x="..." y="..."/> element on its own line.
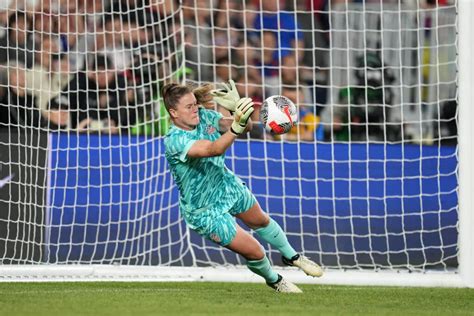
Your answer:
<point x="374" y="184"/>
<point x="466" y="172"/>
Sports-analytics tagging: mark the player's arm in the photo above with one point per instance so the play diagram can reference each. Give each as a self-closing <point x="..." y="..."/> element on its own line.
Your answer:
<point x="206" y="148"/>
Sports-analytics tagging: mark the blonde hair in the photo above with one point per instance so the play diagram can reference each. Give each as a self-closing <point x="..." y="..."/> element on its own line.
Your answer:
<point x="203" y="94"/>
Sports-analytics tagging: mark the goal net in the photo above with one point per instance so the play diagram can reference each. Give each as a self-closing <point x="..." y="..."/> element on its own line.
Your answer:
<point x="366" y="181"/>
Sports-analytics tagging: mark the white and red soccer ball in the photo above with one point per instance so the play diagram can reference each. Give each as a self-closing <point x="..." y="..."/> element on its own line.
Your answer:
<point x="278" y="114"/>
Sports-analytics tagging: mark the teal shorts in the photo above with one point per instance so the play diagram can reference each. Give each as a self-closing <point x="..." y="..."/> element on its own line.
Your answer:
<point x="221" y="228"/>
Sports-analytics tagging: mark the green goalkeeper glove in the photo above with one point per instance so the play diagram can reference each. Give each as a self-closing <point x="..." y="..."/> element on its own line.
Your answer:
<point x="242" y="115"/>
<point x="227" y="97"/>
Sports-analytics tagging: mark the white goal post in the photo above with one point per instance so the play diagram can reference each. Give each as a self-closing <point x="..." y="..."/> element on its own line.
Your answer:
<point x="466" y="172"/>
<point x="374" y="184"/>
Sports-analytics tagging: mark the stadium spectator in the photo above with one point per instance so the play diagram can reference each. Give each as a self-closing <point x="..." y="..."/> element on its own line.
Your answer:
<point x="269" y="66"/>
<point x="314" y="65"/>
<point x="17" y="106"/>
<point x="246" y="58"/>
<point x="198" y="39"/>
<point x="72" y="33"/>
<point x="98" y="98"/>
<point x="115" y="45"/>
<point x="365" y="106"/>
<point x="94" y="11"/>
<point x="7" y="8"/>
<point x="230" y="33"/>
<point x="273" y="18"/>
<point x="158" y="18"/>
<point x="308" y="123"/>
<point x="48" y="78"/>
<point x="23" y="109"/>
<point x="291" y="78"/>
<point x="19" y="44"/>
<point x="229" y="14"/>
<point x="59" y="117"/>
<point x="45" y="18"/>
<point x="123" y="20"/>
<point x="164" y="7"/>
<point x="224" y="69"/>
<point x="223" y="44"/>
<point x="274" y="21"/>
<point x="135" y="36"/>
<point x="145" y="78"/>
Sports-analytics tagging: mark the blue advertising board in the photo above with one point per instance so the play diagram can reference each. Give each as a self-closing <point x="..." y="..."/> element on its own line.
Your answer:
<point x="112" y="199"/>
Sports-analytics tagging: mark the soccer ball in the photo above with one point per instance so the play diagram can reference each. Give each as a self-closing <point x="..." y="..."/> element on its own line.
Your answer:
<point x="278" y="114"/>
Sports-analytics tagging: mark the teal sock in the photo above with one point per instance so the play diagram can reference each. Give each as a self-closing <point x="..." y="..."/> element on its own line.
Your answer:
<point x="263" y="268"/>
<point x="274" y="235"/>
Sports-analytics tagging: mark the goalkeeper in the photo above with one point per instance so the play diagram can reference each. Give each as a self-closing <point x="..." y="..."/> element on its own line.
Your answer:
<point x="210" y="194"/>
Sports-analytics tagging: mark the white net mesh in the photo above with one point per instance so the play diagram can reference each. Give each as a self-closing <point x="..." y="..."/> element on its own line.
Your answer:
<point x="366" y="180"/>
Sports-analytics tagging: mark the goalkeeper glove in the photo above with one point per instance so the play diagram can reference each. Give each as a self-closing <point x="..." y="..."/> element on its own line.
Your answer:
<point x="227" y="97"/>
<point x="242" y="115"/>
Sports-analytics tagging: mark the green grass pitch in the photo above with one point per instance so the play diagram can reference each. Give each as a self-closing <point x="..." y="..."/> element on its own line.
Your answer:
<point x="203" y="298"/>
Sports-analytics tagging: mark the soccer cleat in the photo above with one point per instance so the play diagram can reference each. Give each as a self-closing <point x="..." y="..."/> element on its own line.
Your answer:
<point x="304" y="263"/>
<point x="284" y="286"/>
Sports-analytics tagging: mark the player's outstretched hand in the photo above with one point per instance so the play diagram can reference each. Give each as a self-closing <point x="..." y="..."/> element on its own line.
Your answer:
<point x="227" y="97"/>
<point x="242" y="114"/>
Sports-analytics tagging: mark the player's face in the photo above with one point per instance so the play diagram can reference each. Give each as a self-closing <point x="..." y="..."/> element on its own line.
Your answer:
<point x="186" y="113"/>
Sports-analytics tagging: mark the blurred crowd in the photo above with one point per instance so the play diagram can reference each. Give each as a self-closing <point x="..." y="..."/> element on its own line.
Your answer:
<point x="85" y="65"/>
<point x="97" y="65"/>
<point x="267" y="47"/>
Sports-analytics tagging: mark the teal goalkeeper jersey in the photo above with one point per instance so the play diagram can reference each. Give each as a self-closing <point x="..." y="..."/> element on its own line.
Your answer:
<point x="206" y="186"/>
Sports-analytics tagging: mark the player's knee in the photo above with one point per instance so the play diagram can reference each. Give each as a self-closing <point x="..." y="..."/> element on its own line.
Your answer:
<point x="263" y="222"/>
<point x="256" y="253"/>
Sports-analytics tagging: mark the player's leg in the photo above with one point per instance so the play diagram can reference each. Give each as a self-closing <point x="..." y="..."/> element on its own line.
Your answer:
<point x="248" y="247"/>
<point x="224" y="230"/>
<point x="270" y="231"/>
<point x="267" y="229"/>
<point x="249" y="211"/>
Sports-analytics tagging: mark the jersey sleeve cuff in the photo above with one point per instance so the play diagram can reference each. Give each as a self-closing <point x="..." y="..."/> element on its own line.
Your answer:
<point x="184" y="154"/>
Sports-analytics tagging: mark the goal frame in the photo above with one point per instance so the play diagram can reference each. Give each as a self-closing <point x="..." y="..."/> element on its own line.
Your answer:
<point x="466" y="146"/>
<point x="240" y="274"/>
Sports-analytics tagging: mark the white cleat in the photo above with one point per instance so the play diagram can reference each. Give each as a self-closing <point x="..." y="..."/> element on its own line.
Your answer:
<point x="308" y="266"/>
<point x="284" y="286"/>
